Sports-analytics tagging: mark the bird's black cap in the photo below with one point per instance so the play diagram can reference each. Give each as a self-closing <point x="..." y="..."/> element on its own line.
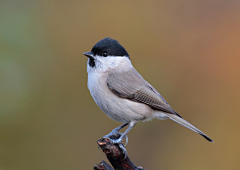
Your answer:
<point x="109" y="47"/>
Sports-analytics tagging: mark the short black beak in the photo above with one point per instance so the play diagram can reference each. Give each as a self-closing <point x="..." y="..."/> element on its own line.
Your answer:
<point x="88" y="54"/>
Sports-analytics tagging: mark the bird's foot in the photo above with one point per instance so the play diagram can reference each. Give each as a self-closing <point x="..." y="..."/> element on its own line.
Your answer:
<point x="124" y="150"/>
<point x="116" y="138"/>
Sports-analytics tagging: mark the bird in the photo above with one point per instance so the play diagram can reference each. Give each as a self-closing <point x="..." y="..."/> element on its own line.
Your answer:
<point x="122" y="93"/>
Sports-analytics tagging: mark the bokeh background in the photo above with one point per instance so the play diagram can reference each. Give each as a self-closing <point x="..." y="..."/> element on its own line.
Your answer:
<point x="189" y="50"/>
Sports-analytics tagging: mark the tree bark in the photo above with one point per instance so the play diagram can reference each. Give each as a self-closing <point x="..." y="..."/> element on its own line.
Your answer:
<point x="115" y="156"/>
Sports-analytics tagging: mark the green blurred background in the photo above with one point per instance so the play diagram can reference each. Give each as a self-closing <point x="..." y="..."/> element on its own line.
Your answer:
<point x="188" y="50"/>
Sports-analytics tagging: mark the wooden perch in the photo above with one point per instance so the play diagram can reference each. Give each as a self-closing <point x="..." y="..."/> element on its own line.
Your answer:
<point x="115" y="156"/>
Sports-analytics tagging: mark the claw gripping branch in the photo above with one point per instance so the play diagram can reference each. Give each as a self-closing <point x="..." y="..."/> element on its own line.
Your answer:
<point x="115" y="156"/>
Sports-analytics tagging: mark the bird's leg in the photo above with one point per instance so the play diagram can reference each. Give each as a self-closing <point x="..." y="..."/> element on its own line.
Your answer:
<point x="123" y="135"/>
<point x="115" y="132"/>
<point x="119" y="140"/>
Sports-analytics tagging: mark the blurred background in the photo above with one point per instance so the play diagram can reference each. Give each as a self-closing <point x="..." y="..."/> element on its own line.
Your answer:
<point x="188" y="50"/>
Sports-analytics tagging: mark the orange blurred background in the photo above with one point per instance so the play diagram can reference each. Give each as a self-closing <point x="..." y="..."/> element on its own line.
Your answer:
<point x="188" y="50"/>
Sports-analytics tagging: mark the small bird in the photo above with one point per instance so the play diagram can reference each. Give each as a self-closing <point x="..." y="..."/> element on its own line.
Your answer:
<point x="122" y="93"/>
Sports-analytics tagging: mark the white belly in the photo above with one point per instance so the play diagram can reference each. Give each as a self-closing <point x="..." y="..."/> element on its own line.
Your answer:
<point x="119" y="109"/>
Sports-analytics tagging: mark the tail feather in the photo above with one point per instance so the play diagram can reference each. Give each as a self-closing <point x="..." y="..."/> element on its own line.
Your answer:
<point x="188" y="125"/>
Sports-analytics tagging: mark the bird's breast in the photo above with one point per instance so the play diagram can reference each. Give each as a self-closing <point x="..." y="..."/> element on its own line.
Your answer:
<point x="117" y="108"/>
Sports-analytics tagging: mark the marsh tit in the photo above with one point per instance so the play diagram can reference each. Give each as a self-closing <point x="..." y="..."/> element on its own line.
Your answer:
<point x="122" y="93"/>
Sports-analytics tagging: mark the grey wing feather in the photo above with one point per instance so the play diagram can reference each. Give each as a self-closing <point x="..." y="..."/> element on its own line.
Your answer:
<point x="131" y="85"/>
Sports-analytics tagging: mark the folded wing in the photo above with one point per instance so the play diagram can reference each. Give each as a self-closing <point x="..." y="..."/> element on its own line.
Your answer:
<point x="131" y="85"/>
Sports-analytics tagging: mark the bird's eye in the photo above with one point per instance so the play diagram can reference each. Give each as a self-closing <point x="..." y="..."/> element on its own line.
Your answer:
<point x="104" y="54"/>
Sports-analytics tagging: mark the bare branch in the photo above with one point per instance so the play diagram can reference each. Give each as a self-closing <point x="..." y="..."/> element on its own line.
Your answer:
<point x="115" y="156"/>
